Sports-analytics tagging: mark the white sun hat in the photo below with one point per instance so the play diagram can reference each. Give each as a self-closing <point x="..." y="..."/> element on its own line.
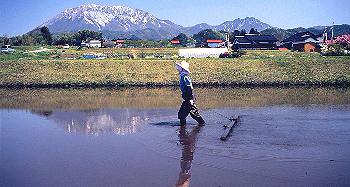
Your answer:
<point x="184" y="65"/>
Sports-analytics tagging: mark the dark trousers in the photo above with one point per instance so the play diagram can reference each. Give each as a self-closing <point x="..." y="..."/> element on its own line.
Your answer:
<point x="185" y="109"/>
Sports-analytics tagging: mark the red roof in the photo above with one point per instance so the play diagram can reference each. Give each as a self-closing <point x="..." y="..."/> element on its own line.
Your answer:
<point x="214" y="41"/>
<point x="175" y="41"/>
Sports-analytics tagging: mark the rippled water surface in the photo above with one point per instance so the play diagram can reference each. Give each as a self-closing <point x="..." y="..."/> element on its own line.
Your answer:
<point x="286" y="143"/>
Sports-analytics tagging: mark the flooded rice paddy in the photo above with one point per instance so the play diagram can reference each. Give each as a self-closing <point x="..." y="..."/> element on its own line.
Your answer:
<point x="131" y="137"/>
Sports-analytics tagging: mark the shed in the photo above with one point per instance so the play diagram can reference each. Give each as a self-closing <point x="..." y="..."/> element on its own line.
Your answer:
<point x="118" y="42"/>
<point x="108" y="44"/>
<point x="215" y="43"/>
<point x="175" y="42"/>
<point x="94" y="43"/>
<point x="202" y="52"/>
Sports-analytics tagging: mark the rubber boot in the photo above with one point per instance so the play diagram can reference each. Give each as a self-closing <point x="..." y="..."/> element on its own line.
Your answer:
<point x="200" y="120"/>
<point x="195" y="115"/>
<point x="182" y="122"/>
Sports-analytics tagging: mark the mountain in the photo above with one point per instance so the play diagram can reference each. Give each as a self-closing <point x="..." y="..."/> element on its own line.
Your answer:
<point x="229" y="26"/>
<point x="125" y="22"/>
<point x="112" y="18"/>
<point x="282" y="34"/>
<point x="119" y="21"/>
<point x="109" y="18"/>
<point x="195" y="29"/>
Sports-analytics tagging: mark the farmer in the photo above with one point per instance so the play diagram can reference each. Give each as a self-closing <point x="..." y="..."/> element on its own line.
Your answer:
<point x="189" y="104"/>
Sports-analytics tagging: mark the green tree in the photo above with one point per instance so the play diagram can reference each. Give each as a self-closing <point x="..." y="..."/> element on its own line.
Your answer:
<point x="182" y="38"/>
<point x="5" y="40"/>
<point x="46" y="34"/>
<point x="17" y="40"/>
<point x="253" y="31"/>
<point x="280" y="34"/>
<point x="86" y="35"/>
<point x="65" y="39"/>
<point x="39" y="39"/>
<point x="164" y="43"/>
<point x="236" y="33"/>
<point x="243" y="32"/>
<point x="233" y="35"/>
<point x="208" y="34"/>
<point x="27" y="40"/>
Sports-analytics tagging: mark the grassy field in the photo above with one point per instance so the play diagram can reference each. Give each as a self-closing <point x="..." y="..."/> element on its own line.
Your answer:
<point x="254" y="68"/>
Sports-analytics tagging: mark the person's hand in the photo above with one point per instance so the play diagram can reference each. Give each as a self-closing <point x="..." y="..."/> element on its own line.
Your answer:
<point x="191" y="101"/>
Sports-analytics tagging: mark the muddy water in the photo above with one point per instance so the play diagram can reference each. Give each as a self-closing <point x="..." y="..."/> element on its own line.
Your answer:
<point x="298" y="138"/>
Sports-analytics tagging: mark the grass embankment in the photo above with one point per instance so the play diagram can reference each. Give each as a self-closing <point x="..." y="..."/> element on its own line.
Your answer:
<point x="255" y="68"/>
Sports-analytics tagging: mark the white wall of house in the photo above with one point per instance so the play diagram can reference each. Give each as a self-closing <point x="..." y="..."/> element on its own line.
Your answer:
<point x="94" y="43"/>
<point x="306" y="41"/>
<point x="202" y="52"/>
<point x="214" y="45"/>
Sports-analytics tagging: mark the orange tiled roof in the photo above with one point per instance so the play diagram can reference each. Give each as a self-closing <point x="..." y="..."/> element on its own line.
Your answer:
<point x="214" y="41"/>
<point x="175" y="41"/>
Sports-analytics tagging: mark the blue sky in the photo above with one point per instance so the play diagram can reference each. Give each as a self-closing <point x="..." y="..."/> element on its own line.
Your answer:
<point x="20" y="16"/>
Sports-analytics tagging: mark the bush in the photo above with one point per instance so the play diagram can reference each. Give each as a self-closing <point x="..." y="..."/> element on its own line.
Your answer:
<point x="338" y="47"/>
<point x="233" y="54"/>
<point x="335" y="50"/>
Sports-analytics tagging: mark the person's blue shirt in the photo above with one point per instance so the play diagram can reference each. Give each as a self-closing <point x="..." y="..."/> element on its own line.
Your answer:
<point x="186" y="86"/>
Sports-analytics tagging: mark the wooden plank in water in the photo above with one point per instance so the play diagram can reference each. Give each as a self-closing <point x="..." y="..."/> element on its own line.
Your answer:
<point x="229" y="128"/>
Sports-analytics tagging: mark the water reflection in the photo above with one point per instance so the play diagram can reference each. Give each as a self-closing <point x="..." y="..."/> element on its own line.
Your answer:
<point x="94" y="122"/>
<point x="273" y="145"/>
<point x="75" y="99"/>
<point x="188" y="141"/>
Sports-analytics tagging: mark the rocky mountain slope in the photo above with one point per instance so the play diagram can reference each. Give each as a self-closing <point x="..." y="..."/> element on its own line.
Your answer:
<point x="125" y="21"/>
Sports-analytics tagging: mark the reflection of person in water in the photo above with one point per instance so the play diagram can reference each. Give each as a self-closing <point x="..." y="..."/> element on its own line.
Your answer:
<point x="188" y="141"/>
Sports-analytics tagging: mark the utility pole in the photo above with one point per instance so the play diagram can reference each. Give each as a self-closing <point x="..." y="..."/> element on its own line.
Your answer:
<point x="228" y="39"/>
<point x="332" y="30"/>
<point x="325" y="37"/>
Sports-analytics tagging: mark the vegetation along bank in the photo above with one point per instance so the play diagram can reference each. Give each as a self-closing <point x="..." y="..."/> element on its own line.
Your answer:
<point x="142" y="68"/>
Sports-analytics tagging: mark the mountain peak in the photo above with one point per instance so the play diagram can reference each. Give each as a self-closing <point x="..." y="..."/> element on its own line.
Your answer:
<point x="124" y="20"/>
<point x="97" y="17"/>
<point x="237" y="24"/>
<point x="246" y="24"/>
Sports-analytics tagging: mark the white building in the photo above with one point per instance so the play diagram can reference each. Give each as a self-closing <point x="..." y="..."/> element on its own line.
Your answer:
<point x="94" y="43"/>
<point x="202" y="52"/>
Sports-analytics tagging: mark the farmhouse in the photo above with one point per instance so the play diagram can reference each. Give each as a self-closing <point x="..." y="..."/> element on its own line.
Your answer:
<point x="215" y="43"/>
<point x="202" y="52"/>
<point x="110" y="44"/>
<point x="175" y="42"/>
<point x="94" y="43"/>
<point x="304" y="41"/>
<point x="118" y="43"/>
<point x="254" y="41"/>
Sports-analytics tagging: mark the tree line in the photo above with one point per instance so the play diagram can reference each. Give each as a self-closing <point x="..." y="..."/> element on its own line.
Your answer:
<point x="43" y="36"/>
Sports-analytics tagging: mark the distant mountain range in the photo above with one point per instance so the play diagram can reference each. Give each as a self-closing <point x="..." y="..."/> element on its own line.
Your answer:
<point x="282" y="34"/>
<point x="125" y="22"/>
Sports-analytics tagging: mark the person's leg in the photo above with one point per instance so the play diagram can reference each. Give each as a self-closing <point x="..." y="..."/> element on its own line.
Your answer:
<point x="183" y="122"/>
<point x="195" y="115"/>
<point x="184" y="111"/>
